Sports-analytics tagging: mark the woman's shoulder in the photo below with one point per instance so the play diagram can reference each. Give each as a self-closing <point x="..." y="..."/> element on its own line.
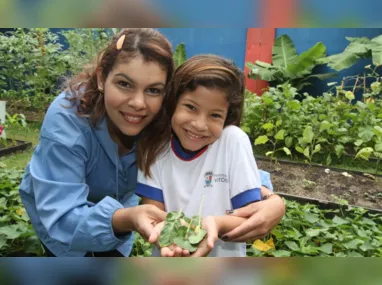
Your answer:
<point x="61" y="121"/>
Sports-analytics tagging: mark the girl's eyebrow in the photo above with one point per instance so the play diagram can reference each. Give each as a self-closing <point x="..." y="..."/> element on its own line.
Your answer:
<point x="131" y="80"/>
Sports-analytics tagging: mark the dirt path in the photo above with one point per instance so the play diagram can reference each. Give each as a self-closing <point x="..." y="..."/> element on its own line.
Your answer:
<point x="315" y="183"/>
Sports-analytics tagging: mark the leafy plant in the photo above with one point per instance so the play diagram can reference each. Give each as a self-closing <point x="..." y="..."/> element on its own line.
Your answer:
<point x="17" y="236"/>
<point x="306" y="230"/>
<point x="288" y="66"/>
<point x="180" y="55"/>
<point x="185" y="232"/>
<point x="358" y="48"/>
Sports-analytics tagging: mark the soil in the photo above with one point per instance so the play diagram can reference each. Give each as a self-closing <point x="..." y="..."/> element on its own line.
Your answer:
<point x="313" y="182"/>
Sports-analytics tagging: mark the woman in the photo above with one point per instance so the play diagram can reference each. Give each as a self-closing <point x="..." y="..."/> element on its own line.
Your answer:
<point x="78" y="188"/>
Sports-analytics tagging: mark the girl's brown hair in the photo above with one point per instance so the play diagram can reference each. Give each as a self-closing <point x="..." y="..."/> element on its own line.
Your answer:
<point x="210" y="71"/>
<point x="153" y="47"/>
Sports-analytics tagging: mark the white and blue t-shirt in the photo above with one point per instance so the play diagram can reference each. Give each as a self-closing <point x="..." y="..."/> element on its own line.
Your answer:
<point x="225" y="172"/>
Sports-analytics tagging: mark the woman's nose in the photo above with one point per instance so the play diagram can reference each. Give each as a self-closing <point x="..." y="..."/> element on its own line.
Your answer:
<point x="137" y="101"/>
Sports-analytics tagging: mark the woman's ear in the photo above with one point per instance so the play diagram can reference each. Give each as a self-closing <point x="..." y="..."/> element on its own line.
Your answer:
<point x="100" y="81"/>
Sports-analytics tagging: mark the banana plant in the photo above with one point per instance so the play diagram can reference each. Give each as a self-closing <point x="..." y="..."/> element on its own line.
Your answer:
<point x="288" y="66"/>
<point x="179" y="55"/>
<point x="358" y="48"/>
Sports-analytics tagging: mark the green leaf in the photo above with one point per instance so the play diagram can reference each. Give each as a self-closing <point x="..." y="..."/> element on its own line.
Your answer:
<point x="307" y="152"/>
<point x="288" y="141"/>
<point x="312" y="232"/>
<point x="307" y="60"/>
<point x="261" y="140"/>
<point x="10" y="232"/>
<point x="311" y="218"/>
<point x="3" y="203"/>
<point x="172" y="223"/>
<point x="340" y="149"/>
<point x="366" y="133"/>
<point x="378" y="147"/>
<point x="3" y="241"/>
<point x="308" y="134"/>
<point x="353" y="244"/>
<point x="326" y="248"/>
<point x="269" y="153"/>
<point x="196" y="238"/>
<point x="292" y="245"/>
<point x="294" y="105"/>
<point x="280" y="135"/>
<point x="281" y="253"/>
<point x="364" y="153"/>
<point x="328" y="159"/>
<point x="377" y="131"/>
<point x="287" y="151"/>
<point x="180" y="55"/>
<point x="339" y="221"/>
<point x="299" y="149"/>
<point x="283" y="52"/>
<point x="317" y="148"/>
<point x="185" y="244"/>
<point x="325" y="125"/>
<point x="268" y="126"/>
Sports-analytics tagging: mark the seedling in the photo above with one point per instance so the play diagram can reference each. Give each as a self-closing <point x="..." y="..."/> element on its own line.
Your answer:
<point x="185" y="232"/>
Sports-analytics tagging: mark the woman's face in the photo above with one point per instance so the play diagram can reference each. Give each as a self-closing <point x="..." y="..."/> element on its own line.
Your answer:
<point x="134" y="92"/>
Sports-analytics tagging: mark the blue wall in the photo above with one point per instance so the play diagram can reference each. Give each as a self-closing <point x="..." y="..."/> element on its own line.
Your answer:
<point x="229" y="43"/>
<point x="335" y="42"/>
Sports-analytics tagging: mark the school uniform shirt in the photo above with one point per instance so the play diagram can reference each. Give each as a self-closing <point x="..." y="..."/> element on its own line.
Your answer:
<point x="75" y="182"/>
<point x="225" y="172"/>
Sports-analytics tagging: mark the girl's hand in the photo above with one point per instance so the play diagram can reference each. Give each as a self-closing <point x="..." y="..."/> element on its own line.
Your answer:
<point x="262" y="217"/>
<point x="210" y="225"/>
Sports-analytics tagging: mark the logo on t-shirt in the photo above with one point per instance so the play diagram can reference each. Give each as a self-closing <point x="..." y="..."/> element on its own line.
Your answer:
<point x="210" y="177"/>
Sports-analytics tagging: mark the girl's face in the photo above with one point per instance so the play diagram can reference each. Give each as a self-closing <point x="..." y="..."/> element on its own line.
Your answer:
<point x="199" y="117"/>
<point x="134" y="93"/>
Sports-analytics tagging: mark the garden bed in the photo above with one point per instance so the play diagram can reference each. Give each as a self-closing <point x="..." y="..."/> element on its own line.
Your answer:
<point x="13" y="146"/>
<point x="313" y="184"/>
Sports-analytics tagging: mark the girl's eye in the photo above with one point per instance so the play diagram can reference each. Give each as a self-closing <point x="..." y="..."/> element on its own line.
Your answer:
<point x="216" y="116"/>
<point x="124" y="84"/>
<point x="155" y="91"/>
<point x="190" y="107"/>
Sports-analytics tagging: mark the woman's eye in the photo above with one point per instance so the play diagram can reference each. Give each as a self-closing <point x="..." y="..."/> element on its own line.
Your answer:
<point x="124" y="84"/>
<point x="190" y="107"/>
<point x="154" y="91"/>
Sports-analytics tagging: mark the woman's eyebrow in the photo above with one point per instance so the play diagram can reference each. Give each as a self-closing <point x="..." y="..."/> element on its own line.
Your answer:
<point x="131" y="80"/>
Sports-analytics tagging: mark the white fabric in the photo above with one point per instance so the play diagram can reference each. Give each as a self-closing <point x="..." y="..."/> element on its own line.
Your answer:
<point x="226" y="169"/>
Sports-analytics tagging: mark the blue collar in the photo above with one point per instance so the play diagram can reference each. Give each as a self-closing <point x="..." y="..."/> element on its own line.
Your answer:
<point x="183" y="155"/>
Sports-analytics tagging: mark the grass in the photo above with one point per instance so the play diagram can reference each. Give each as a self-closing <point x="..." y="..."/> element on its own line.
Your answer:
<point x="31" y="134"/>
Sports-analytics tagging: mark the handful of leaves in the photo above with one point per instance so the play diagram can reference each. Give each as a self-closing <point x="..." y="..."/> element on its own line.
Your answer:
<point x="183" y="231"/>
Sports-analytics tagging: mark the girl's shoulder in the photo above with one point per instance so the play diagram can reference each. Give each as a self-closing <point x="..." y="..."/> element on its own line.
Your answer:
<point x="233" y="133"/>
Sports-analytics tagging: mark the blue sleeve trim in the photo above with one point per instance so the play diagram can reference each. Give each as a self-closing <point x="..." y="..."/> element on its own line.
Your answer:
<point x="265" y="179"/>
<point x="246" y="197"/>
<point x="149" y="192"/>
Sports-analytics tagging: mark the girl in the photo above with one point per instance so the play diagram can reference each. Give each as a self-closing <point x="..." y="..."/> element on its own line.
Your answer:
<point x="207" y="155"/>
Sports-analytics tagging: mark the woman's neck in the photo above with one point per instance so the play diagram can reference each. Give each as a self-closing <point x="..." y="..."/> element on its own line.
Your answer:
<point x="125" y="143"/>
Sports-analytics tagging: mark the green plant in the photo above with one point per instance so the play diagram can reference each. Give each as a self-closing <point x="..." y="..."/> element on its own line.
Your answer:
<point x="306" y="230"/>
<point x="358" y="48"/>
<point x="17" y="120"/>
<point x="288" y="66"/>
<point x="16" y="232"/>
<point x="180" y="55"/>
<point x="185" y="232"/>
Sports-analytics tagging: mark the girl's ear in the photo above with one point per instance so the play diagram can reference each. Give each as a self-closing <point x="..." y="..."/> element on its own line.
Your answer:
<point x="100" y="80"/>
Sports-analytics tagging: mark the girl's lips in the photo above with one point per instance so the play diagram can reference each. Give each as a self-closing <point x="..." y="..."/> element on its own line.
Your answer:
<point x="132" y="119"/>
<point x="194" y="136"/>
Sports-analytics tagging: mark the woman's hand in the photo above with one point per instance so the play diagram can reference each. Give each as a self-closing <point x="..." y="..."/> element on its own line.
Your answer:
<point x="139" y="218"/>
<point x="262" y="217"/>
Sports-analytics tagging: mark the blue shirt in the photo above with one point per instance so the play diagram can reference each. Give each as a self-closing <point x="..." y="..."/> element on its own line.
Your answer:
<point x="75" y="182"/>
